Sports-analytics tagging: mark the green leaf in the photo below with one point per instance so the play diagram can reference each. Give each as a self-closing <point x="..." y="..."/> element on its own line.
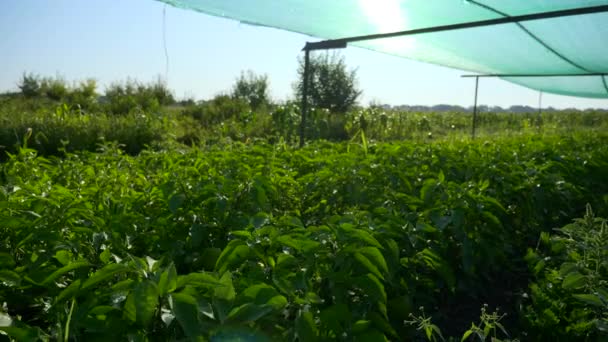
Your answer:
<point x="205" y="280"/>
<point x="493" y="219"/>
<point x="361" y="326"/>
<point x="260" y="220"/>
<point x="197" y="234"/>
<point x="438" y="264"/>
<point x="567" y="268"/>
<point x="427" y="228"/>
<point x="441" y="176"/>
<point x="336" y="317"/>
<point x="185" y="309"/>
<point x="375" y="256"/>
<point x="428" y="188"/>
<point x="372" y="335"/>
<point x="9" y="278"/>
<point x="69" y="292"/>
<point x="209" y="257"/>
<point x="589" y="299"/>
<point x="299" y="244"/>
<point x="24" y="333"/>
<point x="167" y="282"/>
<point x="125" y="285"/>
<point x="63" y="256"/>
<point x="313" y="298"/>
<point x="368" y="265"/>
<point x="241" y="234"/>
<point x="437" y="331"/>
<point x="359" y="234"/>
<point x="263" y="294"/>
<point x="104" y="274"/>
<point x="603" y="294"/>
<point x="6" y="261"/>
<point x="238" y="334"/>
<point x="101" y="310"/>
<point x="248" y="313"/>
<point x="540" y="265"/>
<point x="495" y="203"/>
<point x="372" y="287"/>
<point x="141" y="303"/>
<point x="235" y="253"/>
<point x="574" y="280"/>
<point x="223" y="297"/>
<point x="306" y="329"/>
<point x="176" y="201"/>
<point x="466" y="335"/>
<point x="381" y="322"/>
<point x="65" y="269"/>
<point x="105" y="256"/>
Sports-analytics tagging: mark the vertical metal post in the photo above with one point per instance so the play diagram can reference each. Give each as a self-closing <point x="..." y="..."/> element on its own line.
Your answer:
<point x="540" y="108"/>
<point x="475" y="106"/>
<point x="305" y="95"/>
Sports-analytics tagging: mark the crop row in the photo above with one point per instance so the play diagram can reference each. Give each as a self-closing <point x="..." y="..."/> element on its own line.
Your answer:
<point x="330" y="242"/>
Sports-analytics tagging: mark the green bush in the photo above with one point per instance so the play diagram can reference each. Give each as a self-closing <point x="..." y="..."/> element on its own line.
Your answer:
<point x="253" y="89"/>
<point x="569" y="298"/>
<point x="82" y="94"/>
<point x="218" y="110"/>
<point x="130" y="96"/>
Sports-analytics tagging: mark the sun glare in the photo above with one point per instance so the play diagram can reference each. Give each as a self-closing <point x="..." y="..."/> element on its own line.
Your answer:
<point x="387" y="16"/>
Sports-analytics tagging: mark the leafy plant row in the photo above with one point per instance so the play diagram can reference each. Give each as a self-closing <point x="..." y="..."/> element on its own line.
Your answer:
<point x="330" y="242"/>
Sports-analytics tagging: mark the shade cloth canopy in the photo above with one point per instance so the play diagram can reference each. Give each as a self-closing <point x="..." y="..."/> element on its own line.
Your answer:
<point x="547" y="54"/>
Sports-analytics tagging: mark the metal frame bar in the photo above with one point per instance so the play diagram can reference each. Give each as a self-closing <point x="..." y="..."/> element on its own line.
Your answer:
<point x="343" y="43"/>
<point x="490" y="22"/>
<point x="538" y="75"/>
<point x="475" y="108"/>
<point x="604" y="82"/>
<point x="539" y="116"/>
<point x="305" y="96"/>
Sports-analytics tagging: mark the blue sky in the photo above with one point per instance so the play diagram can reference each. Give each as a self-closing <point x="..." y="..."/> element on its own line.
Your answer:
<point x="111" y="40"/>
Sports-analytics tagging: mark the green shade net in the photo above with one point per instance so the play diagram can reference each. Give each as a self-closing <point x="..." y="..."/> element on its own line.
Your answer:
<point x="565" y="46"/>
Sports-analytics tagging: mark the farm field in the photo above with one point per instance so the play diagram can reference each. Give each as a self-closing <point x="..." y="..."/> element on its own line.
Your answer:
<point x="365" y="183"/>
<point x="369" y="239"/>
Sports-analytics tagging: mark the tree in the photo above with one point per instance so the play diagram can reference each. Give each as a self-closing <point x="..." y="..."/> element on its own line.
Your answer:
<point x="252" y="88"/>
<point x="30" y="85"/>
<point x="331" y="85"/>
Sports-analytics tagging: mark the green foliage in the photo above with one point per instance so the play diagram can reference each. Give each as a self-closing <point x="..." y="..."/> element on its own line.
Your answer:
<point x="329" y="242"/>
<point x="331" y="85"/>
<point x="67" y="129"/>
<point x="82" y="95"/>
<point x="220" y="109"/>
<point x="253" y="89"/>
<point x="240" y="239"/>
<point x="569" y="299"/>
<point x="30" y="85"/>
<point x="129" y="96"/>
<point x="54" y="88"/>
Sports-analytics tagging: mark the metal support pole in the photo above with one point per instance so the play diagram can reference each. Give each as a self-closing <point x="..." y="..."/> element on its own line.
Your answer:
<point x="475" y="107"/>
<point x="540" y="108"/>
<point x="305" y="95"/>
